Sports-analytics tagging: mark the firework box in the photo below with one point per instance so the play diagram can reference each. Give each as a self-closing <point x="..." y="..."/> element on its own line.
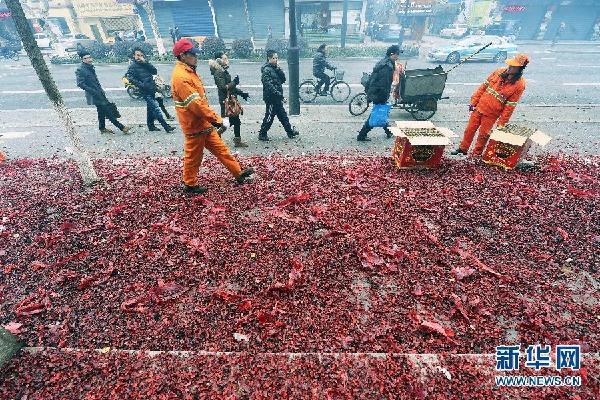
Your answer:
<point x="507" y="146"/>
<point x="419" y="144"/>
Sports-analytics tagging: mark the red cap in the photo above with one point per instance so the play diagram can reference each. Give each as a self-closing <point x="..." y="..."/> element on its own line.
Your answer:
<point x="184" y="46"/>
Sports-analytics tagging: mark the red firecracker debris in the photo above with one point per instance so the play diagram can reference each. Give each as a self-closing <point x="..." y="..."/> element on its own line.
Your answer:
<point x="260" y="282"/>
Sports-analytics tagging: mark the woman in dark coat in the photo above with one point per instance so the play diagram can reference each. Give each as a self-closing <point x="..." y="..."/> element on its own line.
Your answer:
<point x="219" y="68"/>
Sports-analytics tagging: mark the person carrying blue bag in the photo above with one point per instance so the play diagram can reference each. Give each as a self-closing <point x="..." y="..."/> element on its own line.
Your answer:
<point x="378" y="92"/>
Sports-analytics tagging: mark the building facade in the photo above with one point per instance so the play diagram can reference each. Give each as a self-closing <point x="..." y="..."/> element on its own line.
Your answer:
<point x="542" y="19"/>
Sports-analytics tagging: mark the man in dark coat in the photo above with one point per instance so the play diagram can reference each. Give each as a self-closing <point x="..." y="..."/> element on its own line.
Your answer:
<point x="380" y="85"/>
<point x="319" y="65"/>
<point x="273" y="79"/>
<point x="141" y="73"/>
<point x="173" y="36"/>
<point x="94" y="94"/>
<point x="219" y="68"/>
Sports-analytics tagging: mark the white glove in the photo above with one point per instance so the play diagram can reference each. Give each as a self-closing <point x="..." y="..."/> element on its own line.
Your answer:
<point x="226" y="123"/>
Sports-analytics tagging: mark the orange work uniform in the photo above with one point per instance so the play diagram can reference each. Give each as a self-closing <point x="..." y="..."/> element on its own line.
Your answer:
<point x="495" y="100"/>
<point x="197" y="122"/>
<point x="2" y="156"/>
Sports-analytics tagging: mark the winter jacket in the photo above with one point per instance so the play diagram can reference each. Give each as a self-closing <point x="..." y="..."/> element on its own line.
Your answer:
<point x="193" y="112"/>
<point x="497" y="97"/>
<point x="141" y="74"/>
<point x="88" y="81"/>
<point x="380" y="83"/>
<point x="223" y="80"/>
<point x="320" y="63"/>
<point x="272" y="79"/>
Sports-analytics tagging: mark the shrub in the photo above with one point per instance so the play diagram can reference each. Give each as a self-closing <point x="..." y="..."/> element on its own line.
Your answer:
<point x="278" y="45"/>
<point x="72" y="59"/>
<point x="242" y="48"/>
<point x="211" y="45"/>
<point x="98" y="50"/>
<point x="123" y="49"/>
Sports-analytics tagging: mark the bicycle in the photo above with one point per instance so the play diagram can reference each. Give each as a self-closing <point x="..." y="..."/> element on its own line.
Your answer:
<point x="338" y="89"/>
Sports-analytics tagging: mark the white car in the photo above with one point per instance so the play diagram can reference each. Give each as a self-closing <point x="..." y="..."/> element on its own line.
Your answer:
<point x="455" y="31"/>
<point x="43" y="41"/>
<point x="70" y="42"/>
<point x="498" y="51"/>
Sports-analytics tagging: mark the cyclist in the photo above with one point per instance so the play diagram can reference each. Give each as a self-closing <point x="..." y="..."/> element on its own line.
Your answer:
<point x="319" y="65"/>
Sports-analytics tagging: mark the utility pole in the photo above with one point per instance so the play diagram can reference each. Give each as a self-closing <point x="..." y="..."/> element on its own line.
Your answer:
<point x="404" y="19"/>
<point x="82" y="159"/>
<point x="344" y="24"/>
<point x="294" y="63"/>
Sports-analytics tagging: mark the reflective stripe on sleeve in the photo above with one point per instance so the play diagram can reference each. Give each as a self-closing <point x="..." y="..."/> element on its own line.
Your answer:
<point x="187" y="101"/>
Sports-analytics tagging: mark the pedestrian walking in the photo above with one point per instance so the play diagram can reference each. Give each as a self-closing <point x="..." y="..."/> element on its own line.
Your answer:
<point x="88" y="81"/>
<point x="177" y="34"/>
<point x="172" y="33"/>
<point x="198" y="121"/>
<point x="494" y="103"/>
<point x="273" y="79"/>
<point x="559" y="33"/>
<point x="160" y="83"/>
<point x="379" y="87"/>
<point x="320" y="63"/>
<point x="228" y="91"/>
<point x="141" y="73"/>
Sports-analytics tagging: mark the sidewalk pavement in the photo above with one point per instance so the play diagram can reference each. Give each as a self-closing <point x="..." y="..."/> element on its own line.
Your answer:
<point x="573" y="130"/>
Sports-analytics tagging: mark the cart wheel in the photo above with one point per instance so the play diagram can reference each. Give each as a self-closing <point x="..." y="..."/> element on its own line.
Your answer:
<point x="424" y="110"/>
<point x="308" y="91"/>
<point x="359" y="104"/>
<point x="340" y="91"/>
<point x="453" y="58"/>
<point x="134" y="93"/>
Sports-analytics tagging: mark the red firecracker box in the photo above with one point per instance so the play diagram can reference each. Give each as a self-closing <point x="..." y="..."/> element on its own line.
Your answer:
<point x="419" y="144"/>
<point x="506" y="148"/>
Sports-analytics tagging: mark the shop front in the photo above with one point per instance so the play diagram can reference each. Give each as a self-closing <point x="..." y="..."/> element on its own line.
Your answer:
<point x="101" y="19"/>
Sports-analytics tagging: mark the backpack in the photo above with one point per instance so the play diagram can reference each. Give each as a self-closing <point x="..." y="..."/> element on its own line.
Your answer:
<point x="365" y="80"/>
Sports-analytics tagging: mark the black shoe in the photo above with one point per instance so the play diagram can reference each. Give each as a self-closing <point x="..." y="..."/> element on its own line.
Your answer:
<point x="363" y="139"/>
<point x="293" y="134"/>
<point x="153" y="128"/>
<point x="170" y="118"/>
<point x="457" y="152"/>
<point x="194" y="189"/>
<point x="245" y="174"/>
<point x="264" y="138"/>
<point x="169" y="128"/>
<point x="389" y="134"/>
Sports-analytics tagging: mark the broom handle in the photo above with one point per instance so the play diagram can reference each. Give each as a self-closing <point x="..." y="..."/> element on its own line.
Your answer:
<point x="471" y="56"/>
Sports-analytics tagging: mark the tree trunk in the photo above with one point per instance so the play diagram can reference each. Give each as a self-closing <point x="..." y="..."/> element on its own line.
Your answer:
<point x="86" y="168"/>
<point x="149" y="7"/>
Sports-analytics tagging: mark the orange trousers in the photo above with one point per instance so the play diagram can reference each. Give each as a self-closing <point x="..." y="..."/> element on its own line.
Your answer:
<point x="484" y="123"/>
<point x="193" y="151"/>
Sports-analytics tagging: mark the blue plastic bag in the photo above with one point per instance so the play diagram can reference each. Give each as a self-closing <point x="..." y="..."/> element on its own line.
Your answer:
<point x="379" y="115"/>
